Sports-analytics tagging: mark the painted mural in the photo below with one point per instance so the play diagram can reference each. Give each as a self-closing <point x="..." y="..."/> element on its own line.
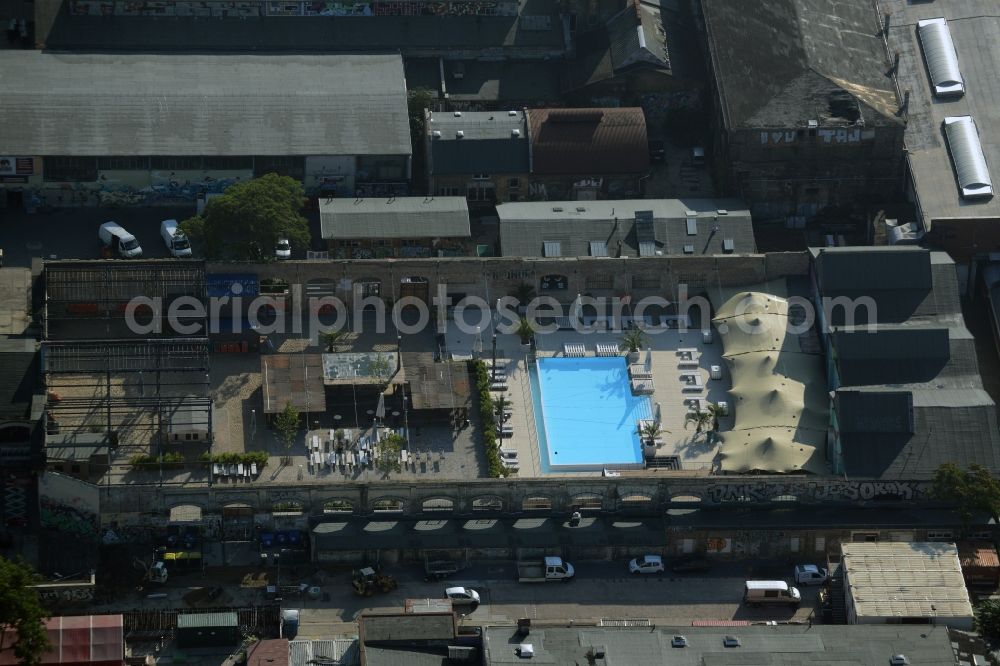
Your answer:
<point x="136" y="188"/>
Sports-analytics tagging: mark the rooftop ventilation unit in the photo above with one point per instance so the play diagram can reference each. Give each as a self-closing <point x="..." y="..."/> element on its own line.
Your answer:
<point x="557" y="209"/>
<point x="525" y="650"/>
<point x="436" y="134"/>
<point x="689" y="249"/>
<point x="967" y="155"/>
<point x="512" y="113"/>
<point x="722" y="211"/>
<point x="515" y="132"/>
<point x="728" y="246"/>
<point x="458" y="114"/>
<point x="692" y="226"/>
<point x="459" y="134"/>
<point x="941" y="59"/>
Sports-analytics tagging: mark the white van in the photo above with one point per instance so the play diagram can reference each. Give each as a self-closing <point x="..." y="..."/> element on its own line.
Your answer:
<point x="121" y="242"/>
<point x="761" y="592"/>
<point x="175" y="240"/>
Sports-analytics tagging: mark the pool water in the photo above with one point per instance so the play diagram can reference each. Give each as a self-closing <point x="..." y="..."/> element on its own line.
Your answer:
<point x="586" y="414"/>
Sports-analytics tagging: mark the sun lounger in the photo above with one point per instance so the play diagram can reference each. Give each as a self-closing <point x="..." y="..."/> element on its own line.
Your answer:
<point x="512" y="464"/>
<point x="216" y="469"/>
<point x="606" y="349"/>
<point x="574" y="350"/>
<point x="508" y="454"/>
<point x="253" y="470"/>
<point x="239" y="470"/>
<point x="640" y="371"/>
<point x="498" y="386"/>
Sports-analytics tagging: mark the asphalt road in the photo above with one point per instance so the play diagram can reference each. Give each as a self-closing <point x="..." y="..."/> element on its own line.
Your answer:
<point x="71" y="233"/>
<point x="600" y="590"/>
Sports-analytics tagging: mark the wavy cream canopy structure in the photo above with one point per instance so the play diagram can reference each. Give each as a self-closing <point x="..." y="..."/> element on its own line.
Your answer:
<point x="779" y="401"/>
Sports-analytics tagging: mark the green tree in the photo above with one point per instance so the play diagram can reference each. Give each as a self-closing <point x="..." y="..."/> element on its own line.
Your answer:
<point x="716" y="412"/>
<point x="287" y="423"/>
<point x="650" y="431"/>
<point x="418" y="102"/>
<point x="987" y="615"/>
<point x="701" y="420"/>
<point x="379" y="367"/>
<point x="633" y="340"/>
<point x="973" y="490"/>
<point x="249" y="218"/>
<point x="387" y="454"/>
<point x="523" y="292"/>
<point x="525" y="331"/>
<point x="19" y="608"/>
<point x="330" y="339"/>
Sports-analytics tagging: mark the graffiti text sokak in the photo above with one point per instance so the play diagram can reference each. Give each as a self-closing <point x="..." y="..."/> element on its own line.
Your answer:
<point x="816" y="491"/>
<point x="81" y="593"/>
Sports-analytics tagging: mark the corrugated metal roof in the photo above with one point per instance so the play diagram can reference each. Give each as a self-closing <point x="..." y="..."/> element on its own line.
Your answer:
<point x="590" y="142"/>
<point x="99" y="105"/>
<point x="905" y="580"/>
<point x="396" y="217"/>
<point x="939" y="53"/>
<point x="217" y="619"/>
<point x="967" y="155"/>
<point x="334" y="652"/>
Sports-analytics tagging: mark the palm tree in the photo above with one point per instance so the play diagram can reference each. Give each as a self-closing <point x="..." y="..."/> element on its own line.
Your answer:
<point x="524" y="292"/>
<point x="650" y="430"/>
<point x="633" y="340"/>
<point x="716" y="412"/>
<point x="330" y="339"/>
<point x="525" y="330"/>
<point x="700" y="419"/>
<point x="500" y="404"/>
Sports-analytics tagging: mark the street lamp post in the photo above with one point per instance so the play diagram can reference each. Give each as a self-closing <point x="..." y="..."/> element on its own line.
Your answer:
<point x="496" y="313"/>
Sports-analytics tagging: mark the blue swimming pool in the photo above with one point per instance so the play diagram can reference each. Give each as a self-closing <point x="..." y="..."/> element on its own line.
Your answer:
<point x="585" y="414"/>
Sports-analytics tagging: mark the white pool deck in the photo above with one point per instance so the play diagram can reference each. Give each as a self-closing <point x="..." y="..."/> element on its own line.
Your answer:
<point x="694" y="452"/>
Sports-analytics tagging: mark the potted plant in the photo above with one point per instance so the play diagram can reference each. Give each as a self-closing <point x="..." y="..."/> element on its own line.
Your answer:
<point x="525" y="331"/>
<point x="632" y="342"/>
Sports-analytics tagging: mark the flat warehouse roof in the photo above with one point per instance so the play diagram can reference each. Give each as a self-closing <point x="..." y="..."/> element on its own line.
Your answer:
<point x="214" y="105"/>
<point x="974" y="28"/>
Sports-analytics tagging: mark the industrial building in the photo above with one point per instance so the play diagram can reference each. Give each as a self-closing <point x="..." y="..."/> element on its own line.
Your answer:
<point x="88" y="129"/>
<point x="905" y="583"/>
<point x="806" y="116"/>
<point x="948" y="69"/>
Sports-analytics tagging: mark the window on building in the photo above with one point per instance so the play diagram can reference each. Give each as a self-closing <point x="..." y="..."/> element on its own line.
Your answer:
<point x="179" y="163"/>
<point x="939" y="535"/>
<point x="123" y="163"/>
<point x="239" y="163"/>
<point x="448" y="192"/>
<point x="293" y="167"/>
<point x="553" y="283"/>
<point x="480" y="176"/>
<point x="599" y="282"/>
<point x="480" y="193"/>
<point x="75" y="469"/>
<point x="645" y="281"/>
<point x="513" y="183"/>
<point x="69" y="169"/>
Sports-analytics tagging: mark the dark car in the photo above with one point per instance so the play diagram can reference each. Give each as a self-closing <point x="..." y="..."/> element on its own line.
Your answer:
<point x="657" y="150"/>
<point x="690" y="564"/>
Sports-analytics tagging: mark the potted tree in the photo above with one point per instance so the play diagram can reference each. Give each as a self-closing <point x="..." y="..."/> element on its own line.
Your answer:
<point x="702" y="420"/>
<point x="632" y="342"/>
<point x="525" y="331"/>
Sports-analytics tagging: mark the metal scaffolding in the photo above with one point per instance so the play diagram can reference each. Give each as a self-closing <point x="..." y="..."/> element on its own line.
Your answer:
<point x="89" y="299"/>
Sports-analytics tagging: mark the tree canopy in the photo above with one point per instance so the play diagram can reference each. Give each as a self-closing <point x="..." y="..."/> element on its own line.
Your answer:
<point x="973" y="490"/>
<point x="286" y="424"/>
<point x="19" y="608"/>
<point x="988" y="618"/>
<point x="247" y="220"/>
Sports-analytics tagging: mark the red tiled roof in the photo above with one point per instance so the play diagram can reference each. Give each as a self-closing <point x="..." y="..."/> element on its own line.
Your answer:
<point x="269" y="653"/>
<point x="87" y="640"/>
<point x="588" y="142"/>
<point x="978" y="556"/>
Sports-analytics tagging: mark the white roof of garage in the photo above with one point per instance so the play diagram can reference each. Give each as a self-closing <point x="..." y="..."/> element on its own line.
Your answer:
<point x="906" y="580"/>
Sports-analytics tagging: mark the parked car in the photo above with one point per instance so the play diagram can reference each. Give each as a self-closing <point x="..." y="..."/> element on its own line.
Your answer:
<point x="690" y="564"/>
<point x="283" y="249"/>
<point x="647" y="564"/>
<point x="462" y="595"/>
<point x="770" y="592"/>
<point x="810" y="574"/>
<point x="175" y="240"/>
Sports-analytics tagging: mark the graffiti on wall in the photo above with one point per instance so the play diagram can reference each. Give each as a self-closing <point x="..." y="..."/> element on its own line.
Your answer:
<point x="140" y="188"/>
<point x="839" y="135"/>
<point x="68" y="519"/>
<point x="65" y="593"/>
<point x="69" y="505"/>
<point x="816" y="491"/>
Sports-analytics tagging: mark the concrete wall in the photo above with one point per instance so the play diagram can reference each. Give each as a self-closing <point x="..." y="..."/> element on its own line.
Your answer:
<point x="136" y="504"/>
<point x="491" y="278"/>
